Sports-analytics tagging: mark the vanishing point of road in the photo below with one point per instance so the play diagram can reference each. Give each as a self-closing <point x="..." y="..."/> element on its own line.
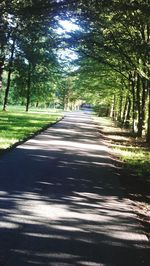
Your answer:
<point x="61" y="203"/>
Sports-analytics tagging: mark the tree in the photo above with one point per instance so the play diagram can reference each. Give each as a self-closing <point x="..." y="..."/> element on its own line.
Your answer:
<point x="118" y="36"/>
<point x="33" y="18"/>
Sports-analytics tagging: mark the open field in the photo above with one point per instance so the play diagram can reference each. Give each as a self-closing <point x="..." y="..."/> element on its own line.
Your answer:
<point x="17" y="125"/>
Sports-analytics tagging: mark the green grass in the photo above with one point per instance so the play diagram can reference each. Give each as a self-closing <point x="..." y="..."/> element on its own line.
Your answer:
<point x="135" y="156"/>
<point x="137" y="159"/>
<point x="16" y="125"/>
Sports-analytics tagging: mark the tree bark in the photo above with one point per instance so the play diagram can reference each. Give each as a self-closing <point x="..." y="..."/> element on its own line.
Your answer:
<point x="128" y="113"/>
<point x="129" y="109"/>
<point x="112" y="112"/>
<point x="141" y="103"/>
<point x="120" y="106"/>
<point x="148" y="121"/>
<point x="138" y="99"/>
<point x="144" y="98"/>
<point x="125" y="111"/>
<point x="132" y="88"/>
<point x="28" y="88"/>
<point x="1" y="70"/>
<point x="10" y="69"/>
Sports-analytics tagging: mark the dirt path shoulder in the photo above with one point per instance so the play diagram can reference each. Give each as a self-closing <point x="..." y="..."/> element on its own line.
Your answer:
<point x="136" y="186"/>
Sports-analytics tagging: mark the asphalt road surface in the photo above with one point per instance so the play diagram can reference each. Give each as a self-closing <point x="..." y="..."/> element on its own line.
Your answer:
<point x="61" y="203"/>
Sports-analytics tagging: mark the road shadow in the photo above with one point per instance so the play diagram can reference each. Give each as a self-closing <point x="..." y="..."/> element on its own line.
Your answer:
<point x="61" y="202"/>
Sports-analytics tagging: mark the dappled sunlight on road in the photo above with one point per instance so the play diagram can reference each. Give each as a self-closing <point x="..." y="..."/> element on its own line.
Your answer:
<point x="67" y="138"/>
<point x="61" y="202"/>
<point x="84" y="220"/>
<point x="71" y="144"/>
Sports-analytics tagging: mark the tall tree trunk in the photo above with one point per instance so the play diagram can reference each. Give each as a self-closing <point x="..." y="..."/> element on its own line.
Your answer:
<point x="28" y="88"/>
<point x="120" y="106"/>
<point x="132" y="88"/>
<point x="125" y="111"/>
<point x="138" y="93"/>
<point x="112" y="112"/>
<point x="2" y="55"/>
<point x="148" y="86"/>
<point x="148" y="121"/>
<point x="1" y="70"/>
<point x="128" y="113"/>
<point x="144" y="98"/>
<point x="7" y="89"/>
<point x="141" y="102"/>
<point x="10" y="69"/>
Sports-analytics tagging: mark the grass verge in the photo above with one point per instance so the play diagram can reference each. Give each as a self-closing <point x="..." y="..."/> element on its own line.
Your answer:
<point x="15" y="125"/>
<point x="137" y="159"/>
<point x="133" y="152"/>
<point x="134" y="166"/>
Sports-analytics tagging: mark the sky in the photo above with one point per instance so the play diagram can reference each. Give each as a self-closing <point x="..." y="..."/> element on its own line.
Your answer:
<point x="66" y="27"/>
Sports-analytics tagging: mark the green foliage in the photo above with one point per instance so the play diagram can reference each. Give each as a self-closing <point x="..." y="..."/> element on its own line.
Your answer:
<point x="102" y="110"/>
<point x="112" y="68"/>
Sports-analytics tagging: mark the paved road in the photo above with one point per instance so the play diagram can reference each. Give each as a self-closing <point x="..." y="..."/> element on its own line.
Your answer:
<point x="61" y="204"/>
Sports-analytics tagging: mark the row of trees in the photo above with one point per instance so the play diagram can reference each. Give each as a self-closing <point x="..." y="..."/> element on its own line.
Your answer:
<point x="113" y="46"/>
<point x="29" y="68"/>
<point x="117" y="40"/>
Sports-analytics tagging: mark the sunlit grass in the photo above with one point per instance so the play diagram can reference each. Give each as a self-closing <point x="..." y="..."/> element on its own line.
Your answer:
<point x="20" y="108"/>
<point x="135" y="156"/>
<point x="16" y="125"/>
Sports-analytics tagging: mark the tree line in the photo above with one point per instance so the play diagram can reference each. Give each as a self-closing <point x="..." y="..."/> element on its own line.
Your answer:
<point x="115" y="49"/>
<point x="28" y="61"/>
<point x="113" y="46"/>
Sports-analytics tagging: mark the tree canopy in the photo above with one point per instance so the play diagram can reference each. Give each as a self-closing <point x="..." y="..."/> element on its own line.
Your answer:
<point x="103" y="57"/>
